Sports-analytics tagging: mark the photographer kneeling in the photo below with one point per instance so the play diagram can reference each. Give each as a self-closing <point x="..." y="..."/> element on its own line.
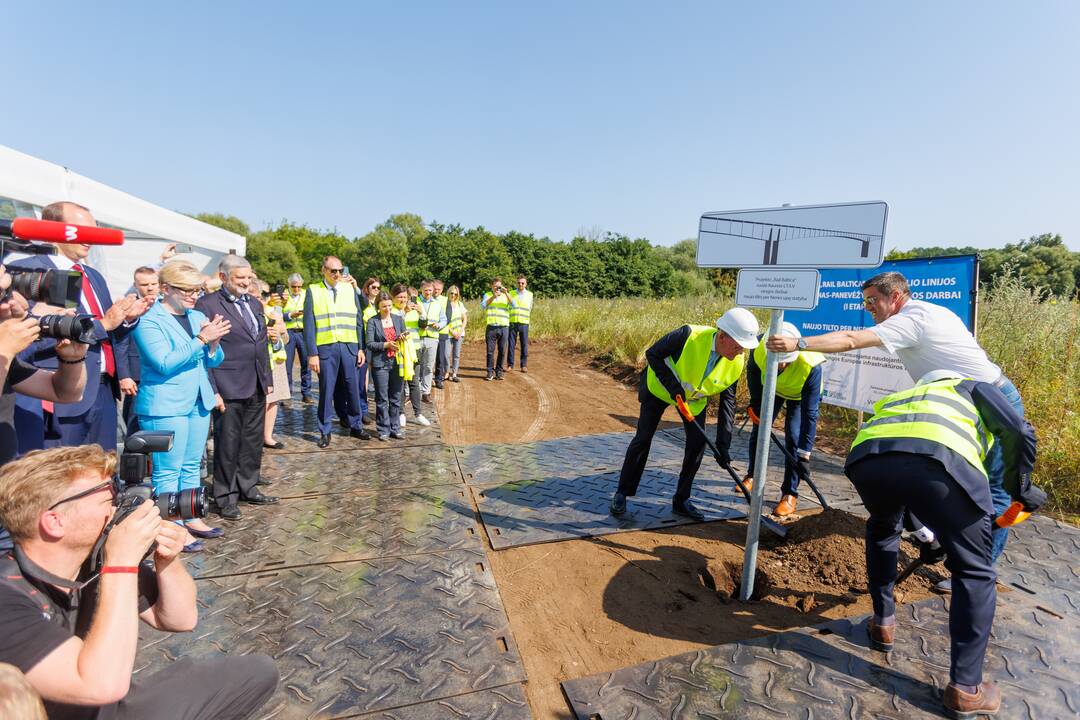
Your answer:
<point x="74" y="632"/>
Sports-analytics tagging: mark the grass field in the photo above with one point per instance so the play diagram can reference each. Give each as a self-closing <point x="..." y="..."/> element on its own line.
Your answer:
<point x="1035" y="340"/>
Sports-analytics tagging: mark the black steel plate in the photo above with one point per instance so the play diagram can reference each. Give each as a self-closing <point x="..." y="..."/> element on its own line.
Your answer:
<point x="498" y="463"/>
<point x="341" y="471"/>
<point x="830" y="672"/>
<point x="357" y="637"/>
<point x="1042" y="562"/>
<point x="505" y="703"/>
<point x="557" y="508"/>
<point x="297" y="428"/>
<point x="349" y="526"/>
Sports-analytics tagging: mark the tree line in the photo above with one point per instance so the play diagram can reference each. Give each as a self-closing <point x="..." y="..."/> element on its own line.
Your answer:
<point x="406" y="249"/>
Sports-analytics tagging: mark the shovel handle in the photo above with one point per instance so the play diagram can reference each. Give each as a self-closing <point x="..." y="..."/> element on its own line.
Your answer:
<point x="1013" y="515"/>
<point x="684" y="409"/>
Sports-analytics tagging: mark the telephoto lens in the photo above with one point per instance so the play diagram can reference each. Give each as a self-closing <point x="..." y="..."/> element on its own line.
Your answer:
<point x="184" y="505"/>
<point x="61" y="288"/>
<point x="77" y="328"/>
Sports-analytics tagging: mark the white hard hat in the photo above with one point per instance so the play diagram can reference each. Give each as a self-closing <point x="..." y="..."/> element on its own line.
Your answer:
<point x="935" y="375"/>
<point x="790" y="331"/>
<point x="741" y="326"/>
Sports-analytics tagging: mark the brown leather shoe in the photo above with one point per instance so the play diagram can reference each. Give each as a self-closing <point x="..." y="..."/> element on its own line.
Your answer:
<point x="785" y="507"/>
<point x="881" y="636"/>
<point x="967" y="706"/>
<point x="748" y="481"/>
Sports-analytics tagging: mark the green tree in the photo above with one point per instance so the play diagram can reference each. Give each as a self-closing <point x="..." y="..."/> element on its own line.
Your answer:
<point x="225" y="222"/>
<point x="273" y="257"/>
<point x="1042" y="261"/>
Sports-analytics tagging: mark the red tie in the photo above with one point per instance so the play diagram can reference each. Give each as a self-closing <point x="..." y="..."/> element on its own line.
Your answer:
<point x="95" y="310"/>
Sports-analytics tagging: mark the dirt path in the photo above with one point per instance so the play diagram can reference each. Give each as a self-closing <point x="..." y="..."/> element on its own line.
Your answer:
<point x="580" y="607"/>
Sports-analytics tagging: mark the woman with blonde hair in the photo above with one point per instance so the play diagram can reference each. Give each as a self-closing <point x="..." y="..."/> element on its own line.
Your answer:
<point x="177" y="346"/>
<point x="459" y="318"/>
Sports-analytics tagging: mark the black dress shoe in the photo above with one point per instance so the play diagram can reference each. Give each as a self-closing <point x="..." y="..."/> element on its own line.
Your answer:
<point x="309" y="399"/>
<point x="264" y="481"/>
<point x="687" y="510"/>
<point x="360" y="434"/>
<point x="229" y="512"/>
<point x="274" y="445"/>
<point x="366" y="420"/>
<point x="438" y="386"/>
<point x="324" y="441"/>
<point x="343" y="423"/>
<point x="257" y="498"/>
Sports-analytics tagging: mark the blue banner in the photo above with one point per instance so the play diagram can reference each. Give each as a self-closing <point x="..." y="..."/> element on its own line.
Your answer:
<point x="857" y="379"/>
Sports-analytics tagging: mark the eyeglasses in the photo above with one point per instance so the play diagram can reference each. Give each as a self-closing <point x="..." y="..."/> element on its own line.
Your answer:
<point x="870" y="301"/>
<point x="107" y="485"/>
<point x="375" y="287"/>
<point x="186" y="292"/>
<point x="335" y="271"/>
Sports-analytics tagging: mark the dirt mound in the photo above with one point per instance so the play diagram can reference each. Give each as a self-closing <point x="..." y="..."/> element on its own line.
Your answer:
<point x="724" y="577"/>
<point x="829" y="550"/>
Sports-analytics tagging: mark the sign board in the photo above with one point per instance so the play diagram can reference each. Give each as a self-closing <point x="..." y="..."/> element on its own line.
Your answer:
<point x="808" y="236"/>
<point x="858" y="379"/>
<point x="778" y="288"/>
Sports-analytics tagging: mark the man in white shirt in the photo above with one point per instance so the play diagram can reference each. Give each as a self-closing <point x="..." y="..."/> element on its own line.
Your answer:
<point x="925" y="337"/>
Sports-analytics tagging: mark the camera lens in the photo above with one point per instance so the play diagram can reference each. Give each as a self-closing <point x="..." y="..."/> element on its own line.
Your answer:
<point x="62" y="288"/>
<point x="77" y="328"/>
<point x="184" y="505"/>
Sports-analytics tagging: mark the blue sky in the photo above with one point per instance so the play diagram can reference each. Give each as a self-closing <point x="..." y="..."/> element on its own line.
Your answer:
<point x="549" y="118"/>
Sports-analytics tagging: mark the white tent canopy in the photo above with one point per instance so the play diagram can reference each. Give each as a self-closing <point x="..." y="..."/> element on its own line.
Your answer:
<point x="27" y="184"/>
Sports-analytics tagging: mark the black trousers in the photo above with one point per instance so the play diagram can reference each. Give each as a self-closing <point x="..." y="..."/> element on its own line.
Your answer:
<point x="388" y="391"/>
<point x="889" y="483"/>
<point x="637" y="454"/>
<point x="233" y="687"/>
<point x="441" y="364"/>
<point x="519" y="334"/>
<point x="496" y="336"/>
<point x="238" y="448"/>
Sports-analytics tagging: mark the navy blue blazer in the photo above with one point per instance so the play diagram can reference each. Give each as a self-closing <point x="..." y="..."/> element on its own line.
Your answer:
<point x="42" y="353"/>
<point x="376" y="353"/>
<point x="246" y="367"/>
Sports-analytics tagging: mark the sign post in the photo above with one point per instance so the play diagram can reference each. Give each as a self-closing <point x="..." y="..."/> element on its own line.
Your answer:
<point x="779" y="251"/>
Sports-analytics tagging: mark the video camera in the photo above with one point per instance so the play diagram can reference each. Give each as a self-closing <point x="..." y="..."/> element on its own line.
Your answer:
<point x="61" y="288"/>
<point x="133" y="469"/>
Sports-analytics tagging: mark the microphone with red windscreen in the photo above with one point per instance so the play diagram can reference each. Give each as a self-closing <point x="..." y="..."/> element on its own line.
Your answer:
<point x="59" y="232"/>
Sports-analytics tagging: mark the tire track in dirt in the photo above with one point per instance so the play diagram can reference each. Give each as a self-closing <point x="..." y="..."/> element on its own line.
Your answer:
<point x="548" y="407"/>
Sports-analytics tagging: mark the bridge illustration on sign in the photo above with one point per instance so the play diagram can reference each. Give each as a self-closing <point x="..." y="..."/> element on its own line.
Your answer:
<point x="772" y="234"/>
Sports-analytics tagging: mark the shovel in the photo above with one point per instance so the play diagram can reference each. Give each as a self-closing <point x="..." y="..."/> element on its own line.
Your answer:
<point x="803" y="475"/>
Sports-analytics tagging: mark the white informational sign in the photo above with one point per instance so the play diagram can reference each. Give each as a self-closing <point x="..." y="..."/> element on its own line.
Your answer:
<point x="781" y="289"/>
<point x="847" y="235"/>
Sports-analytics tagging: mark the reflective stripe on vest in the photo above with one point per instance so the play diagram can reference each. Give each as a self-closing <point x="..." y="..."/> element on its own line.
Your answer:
<point x="497" y="311"/>
<point x="335" y="318"/>
<point x="442" y="300"/>
<point x="935" y="412"/>
<point x="431" y="312"/>
<point x="458" y="316"/>
<point x="691" y="369"/>
<point x="294" y="304"/>
<point x="789" y="384"/>
<point x="524" y="302"/>
<point x="412" y="325"/>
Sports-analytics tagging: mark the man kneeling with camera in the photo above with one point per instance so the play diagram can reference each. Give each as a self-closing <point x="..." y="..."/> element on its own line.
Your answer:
<point x="90" y="559"/>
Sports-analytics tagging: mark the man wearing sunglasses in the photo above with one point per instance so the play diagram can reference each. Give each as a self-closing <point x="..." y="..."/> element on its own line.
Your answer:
<point x="74" y="632"/>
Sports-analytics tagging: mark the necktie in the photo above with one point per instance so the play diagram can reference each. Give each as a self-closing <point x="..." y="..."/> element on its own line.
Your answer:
<point x="95" y="310"/>
<point x="249" y="316"/>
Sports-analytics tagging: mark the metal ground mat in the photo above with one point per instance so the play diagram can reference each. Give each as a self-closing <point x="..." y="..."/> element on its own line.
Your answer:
<point x="361" y="637"/>
<point x="341" y="471"/>
<point x="505" y="703"/>
<point x="557" y="508"/>
<point x="1042" y="563"/>
<point x="349" y="526"/>
<point x="498" y="463"/>
<point x="297" y="428"/>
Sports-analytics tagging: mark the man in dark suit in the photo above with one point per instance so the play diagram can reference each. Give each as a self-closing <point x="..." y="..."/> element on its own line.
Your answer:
<point x="92" y="419"/>
<point x="241" y="382"/>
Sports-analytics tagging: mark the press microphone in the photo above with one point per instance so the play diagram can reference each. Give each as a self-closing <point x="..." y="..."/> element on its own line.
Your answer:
<point x="59" y="232"/>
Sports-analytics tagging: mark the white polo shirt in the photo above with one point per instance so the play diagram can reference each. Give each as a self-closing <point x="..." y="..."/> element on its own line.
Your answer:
<point x="930" y="337"/>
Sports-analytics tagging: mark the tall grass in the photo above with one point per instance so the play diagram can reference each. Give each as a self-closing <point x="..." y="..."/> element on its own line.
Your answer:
<point x="1035" y="339"/>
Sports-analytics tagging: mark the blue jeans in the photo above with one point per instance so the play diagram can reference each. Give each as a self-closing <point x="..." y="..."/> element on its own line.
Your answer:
<point x="388" y="390"/>
<point x="995" y="469"/>
<point x="296" y="348"/>
<point x="178" y="469"/>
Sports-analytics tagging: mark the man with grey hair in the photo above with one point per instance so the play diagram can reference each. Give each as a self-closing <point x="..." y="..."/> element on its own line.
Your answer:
<point x="926" y="337"/>
<point x="294" y="323"/>
<point x="241" y="382"/>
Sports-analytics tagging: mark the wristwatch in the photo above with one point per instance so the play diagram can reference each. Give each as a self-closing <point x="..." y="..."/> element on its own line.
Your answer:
<point x="802" y="343"/>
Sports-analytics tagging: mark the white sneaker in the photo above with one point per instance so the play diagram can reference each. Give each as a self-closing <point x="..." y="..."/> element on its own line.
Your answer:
<point x="402" y="419"/>
<point x="423" y="420"/>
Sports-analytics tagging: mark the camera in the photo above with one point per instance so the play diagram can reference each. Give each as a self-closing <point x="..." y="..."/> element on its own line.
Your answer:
<point x="77" y="328"/>
<point x="133" y="470"/>
<point x="279" y="289"/>
<point x="53" y="287"/>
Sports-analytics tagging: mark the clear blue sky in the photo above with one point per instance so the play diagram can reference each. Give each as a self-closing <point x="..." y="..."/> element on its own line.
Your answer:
<point x="548" y="118"/>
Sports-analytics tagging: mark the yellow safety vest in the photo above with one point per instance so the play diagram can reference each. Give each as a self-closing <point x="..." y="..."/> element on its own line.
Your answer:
<point x="690" y="368"/>
<point x="497" y="311"/>
<point x="524" y="302"/>
<point x="276" y="356"/>
<point x="442" y="300"/>
<point x="406" y="355"/>
<point x="412" y="325"/>
<point x="335" y="318"/>
<point x="369" y="312"/>
<point x="790" y="382"/>
<point x="432" y="312"/>
<point x="935" y="412"/>
<point x="294" y="304"/>
<point x="458" y="318"/>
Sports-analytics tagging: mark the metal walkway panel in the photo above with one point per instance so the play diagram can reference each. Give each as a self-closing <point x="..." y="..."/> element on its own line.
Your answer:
<point x="1042" y="562"/>
<point x="341" y="471"/>
<point x="557" y="508"/>
<point x="830" y="672"/>
<point x="505" y="703"/>
<point x="333" y="528"/>
<point x="498" y="463"/>
<point x="297" y="428"/>
<point x="359" y="637"/>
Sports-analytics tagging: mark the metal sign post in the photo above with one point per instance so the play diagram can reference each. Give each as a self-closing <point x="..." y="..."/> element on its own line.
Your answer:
<point x="761" y="463"/>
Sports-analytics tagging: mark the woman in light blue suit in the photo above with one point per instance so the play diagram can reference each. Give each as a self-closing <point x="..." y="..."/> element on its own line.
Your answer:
<point x="177" y="344"/>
